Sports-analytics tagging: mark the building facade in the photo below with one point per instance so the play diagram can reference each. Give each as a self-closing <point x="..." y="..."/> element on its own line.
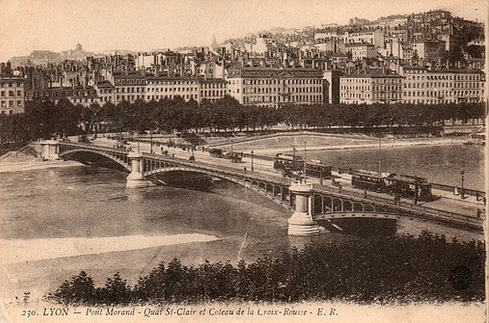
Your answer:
<point x="424" y="86"/>
<point x="163" y="87"/>
<point x="360" y="51"/>
<point x="129" y="87"/>
<point x="11" y="94"/>
<point x="212" y="90"/>
<point x="105" y="91"/>
<point x="376" y="86"/>
<point x="273" y="87"/>
<point x="84" y="96"/>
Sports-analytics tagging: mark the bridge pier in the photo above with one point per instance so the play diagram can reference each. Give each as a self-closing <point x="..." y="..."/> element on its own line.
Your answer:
<point x="49" y="150"/>
<point x="301" y="222"/>
<point x="136" y="179"/>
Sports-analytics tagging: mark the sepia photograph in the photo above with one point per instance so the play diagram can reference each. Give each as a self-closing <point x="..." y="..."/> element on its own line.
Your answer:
<point x="243" y="161"/>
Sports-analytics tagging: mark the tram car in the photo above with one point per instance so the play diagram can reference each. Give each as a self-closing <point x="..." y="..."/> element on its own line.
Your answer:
<point x="288" y="162"/>
<point x="215" y="152"/>
<point x="368" y="181"/>
<point x="412" y="187"/>
<point x="316" y="168"/>
<point x="293" y="163"/>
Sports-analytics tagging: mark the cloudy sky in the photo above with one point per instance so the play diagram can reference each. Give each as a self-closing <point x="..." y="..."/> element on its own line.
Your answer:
<point x="99" y="25"/>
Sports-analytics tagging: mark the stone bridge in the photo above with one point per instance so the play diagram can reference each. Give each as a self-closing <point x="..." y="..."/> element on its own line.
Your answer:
<point x="308" y="202"/>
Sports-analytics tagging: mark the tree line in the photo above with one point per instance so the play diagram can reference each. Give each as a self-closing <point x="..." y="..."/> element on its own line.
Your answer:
<point x="45" y="118"/>
<point x="392" y="269"/>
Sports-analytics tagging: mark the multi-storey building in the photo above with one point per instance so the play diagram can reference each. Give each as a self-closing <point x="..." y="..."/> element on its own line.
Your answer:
<point x="212" y="89"/>
<point x="361" y="50"/>
<point x="273" y="87"/>
<point x="375" y="37"/>
<point x="105" y="91"/>
<point x="11" y="94"/>
<point x="129" y="87"/>
<point x="84" y="96"/>
<point x="375" y="86"/>
<point x="425" y="86"/>
<point x="431" y="51"/>
<point x="163" y="87"/>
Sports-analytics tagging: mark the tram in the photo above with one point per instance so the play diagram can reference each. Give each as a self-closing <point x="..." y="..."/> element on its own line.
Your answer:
<point x="288" y="162"/>
<point x="292" y="163"/>
<point x="412" y="187"/>
<point x="367" y="180"/>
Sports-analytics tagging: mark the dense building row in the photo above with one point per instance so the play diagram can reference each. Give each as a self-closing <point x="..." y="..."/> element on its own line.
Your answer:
<point x="273" y="88"/>
<point x="427" y="58"/>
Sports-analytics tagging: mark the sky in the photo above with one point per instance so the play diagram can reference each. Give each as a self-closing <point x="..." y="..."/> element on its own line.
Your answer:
<point x="143" y="25"/>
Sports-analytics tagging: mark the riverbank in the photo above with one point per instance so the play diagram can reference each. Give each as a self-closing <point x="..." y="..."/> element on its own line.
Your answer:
<point x="270" y="145"/>
<point x="13" y="165"/>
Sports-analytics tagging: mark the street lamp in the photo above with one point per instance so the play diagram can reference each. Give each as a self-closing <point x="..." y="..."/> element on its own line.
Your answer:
<point x="193" y="156"/>
<point x="252" y="168"/>
<point x="462" y="190"/>
<point x="380" y="155"/>
<point x="305" y="143"/>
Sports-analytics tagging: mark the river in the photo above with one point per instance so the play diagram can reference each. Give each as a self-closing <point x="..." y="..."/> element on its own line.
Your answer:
<point x="58" y="221"/>
<point x="439" y="164"/>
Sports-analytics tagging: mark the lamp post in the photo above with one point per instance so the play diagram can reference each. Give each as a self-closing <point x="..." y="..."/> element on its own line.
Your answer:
<point x="462" y="173"/>
<point x="151" y="142"/>
<point x="252" y="168"/>
<point x="380" y="155"/>
<point x="305" y="143"/>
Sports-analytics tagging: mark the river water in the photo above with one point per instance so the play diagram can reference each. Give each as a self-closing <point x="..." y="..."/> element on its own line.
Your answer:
<point x="58" y="221"/>
<point x="439" y="164"/>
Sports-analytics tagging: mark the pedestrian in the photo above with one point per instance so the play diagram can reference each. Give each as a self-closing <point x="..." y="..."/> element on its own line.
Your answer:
<point x="245" y="169"/>
<point x="365" y="194"/>
<point x="484" y="200"/>
<point x="477" y="196"/>
<point x="478" y="213"/>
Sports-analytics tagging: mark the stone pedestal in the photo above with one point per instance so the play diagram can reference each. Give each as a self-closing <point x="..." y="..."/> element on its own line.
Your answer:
<point x="49" y="149"/>
<point x="301" y="222"/>
<point x="135" y="178"/>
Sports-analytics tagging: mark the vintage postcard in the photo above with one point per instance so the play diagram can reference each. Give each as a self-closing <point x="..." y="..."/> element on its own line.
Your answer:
<point x="242" y="161"/>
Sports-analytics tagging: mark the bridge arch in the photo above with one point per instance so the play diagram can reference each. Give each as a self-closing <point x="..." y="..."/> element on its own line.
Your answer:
<point x="69" y="154"/>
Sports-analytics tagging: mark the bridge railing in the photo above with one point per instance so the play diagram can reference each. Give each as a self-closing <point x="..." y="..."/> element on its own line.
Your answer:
<point x="466" y="191"/>
<point x="220" y="169"/>
<point x="406" y="207"/>
<point x="95" y="148"/>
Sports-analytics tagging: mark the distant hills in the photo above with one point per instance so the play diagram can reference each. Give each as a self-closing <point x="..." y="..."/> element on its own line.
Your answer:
<point x="43" y="57"/>
<point x="39" y="57"/>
